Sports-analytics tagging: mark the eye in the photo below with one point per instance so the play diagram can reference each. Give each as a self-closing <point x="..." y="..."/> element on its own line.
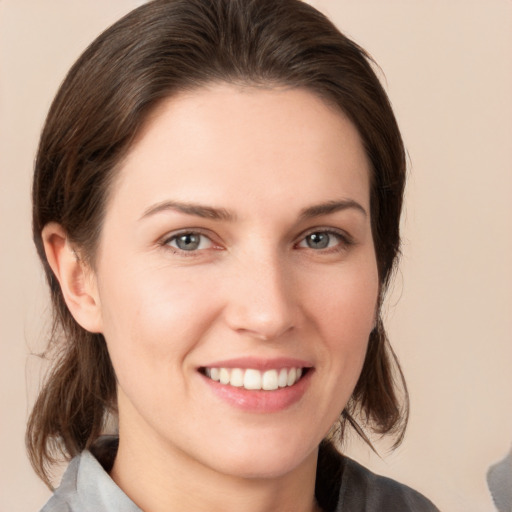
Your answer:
<point x="189" y="241"/>
<point x="320" y="240"/>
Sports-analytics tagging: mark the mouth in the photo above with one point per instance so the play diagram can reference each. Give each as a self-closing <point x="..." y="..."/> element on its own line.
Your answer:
<point x="255" y="380"/>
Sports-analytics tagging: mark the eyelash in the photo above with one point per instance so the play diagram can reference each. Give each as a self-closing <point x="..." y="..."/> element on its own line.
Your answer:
<point x="344" y="241"/>
<point x="193" y="232"/>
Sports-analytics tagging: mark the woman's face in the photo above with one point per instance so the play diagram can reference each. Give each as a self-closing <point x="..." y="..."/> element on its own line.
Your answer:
<point x="237" y="246"/>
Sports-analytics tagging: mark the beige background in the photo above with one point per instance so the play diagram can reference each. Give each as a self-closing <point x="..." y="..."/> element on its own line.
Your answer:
<point x="448" y="68"/>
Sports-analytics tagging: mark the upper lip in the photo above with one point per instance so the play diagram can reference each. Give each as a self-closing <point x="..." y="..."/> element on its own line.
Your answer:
<point x="258" y="363"/>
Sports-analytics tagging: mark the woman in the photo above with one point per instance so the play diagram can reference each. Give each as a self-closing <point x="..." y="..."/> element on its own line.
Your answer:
<point x="217" y="197"/>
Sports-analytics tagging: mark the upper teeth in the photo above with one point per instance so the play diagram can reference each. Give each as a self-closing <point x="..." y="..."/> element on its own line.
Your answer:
<point x="252" y="379"/>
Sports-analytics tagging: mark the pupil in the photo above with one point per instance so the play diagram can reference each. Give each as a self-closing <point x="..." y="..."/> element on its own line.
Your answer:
<point x="318" y="240"/>
<point x="188" y="242"/>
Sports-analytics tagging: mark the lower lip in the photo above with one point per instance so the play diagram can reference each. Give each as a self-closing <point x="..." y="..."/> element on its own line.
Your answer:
<point x="259" y="400"/>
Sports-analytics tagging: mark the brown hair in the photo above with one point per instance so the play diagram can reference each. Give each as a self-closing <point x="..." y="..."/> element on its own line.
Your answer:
<point x="159" y="49"/>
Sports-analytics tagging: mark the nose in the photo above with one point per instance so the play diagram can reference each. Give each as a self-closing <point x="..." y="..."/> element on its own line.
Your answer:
<point x="262" y="303"/>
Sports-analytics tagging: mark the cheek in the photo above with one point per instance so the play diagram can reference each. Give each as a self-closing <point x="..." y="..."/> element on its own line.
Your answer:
<point x="150" y="319"/>
<point x="343" y="307"/>
<point x="345" y="300"/>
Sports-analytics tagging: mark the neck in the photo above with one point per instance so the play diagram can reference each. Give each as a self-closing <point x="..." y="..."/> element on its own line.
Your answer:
<point x="168" y="480"/>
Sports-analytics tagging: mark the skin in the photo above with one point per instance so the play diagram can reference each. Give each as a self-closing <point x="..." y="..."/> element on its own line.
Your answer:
<point x="255" y="287"/>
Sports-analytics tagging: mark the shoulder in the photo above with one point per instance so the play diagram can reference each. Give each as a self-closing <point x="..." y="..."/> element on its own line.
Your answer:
<point x="87" y="487"/>
<point x="364" y="490"/>
<point x="66" y="494"/>
<point x="345" y="485"/>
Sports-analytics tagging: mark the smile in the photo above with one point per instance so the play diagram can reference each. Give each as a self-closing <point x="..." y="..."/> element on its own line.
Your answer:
<point x="252" y="379"/>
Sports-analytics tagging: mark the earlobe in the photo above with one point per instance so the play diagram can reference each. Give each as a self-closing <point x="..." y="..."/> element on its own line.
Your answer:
<point x="77" y="280"/>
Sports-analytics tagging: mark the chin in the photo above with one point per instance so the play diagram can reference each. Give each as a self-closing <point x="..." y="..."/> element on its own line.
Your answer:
<point x="264" y="462"/>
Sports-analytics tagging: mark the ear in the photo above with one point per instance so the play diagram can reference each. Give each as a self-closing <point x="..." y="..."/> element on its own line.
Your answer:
<point x="77" y="280"/>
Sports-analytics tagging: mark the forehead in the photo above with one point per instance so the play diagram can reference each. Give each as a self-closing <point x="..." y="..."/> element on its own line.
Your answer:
<point x="225" y="143"/>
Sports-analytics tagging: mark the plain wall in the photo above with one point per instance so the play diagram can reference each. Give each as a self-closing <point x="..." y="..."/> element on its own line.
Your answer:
<point x="448" y="71"/>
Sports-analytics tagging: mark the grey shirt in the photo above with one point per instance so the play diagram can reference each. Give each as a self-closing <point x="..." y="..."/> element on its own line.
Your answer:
<point x="343" y="485"/>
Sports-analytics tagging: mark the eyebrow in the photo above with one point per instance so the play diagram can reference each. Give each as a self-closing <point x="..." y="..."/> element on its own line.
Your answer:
<point x="210" y="212"/>
<point x="331" y="207"/>
<point x="198" y="210"/>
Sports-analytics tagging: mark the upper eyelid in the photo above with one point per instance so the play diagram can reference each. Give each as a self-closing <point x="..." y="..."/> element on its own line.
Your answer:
<point x="174" y="234"/>
<point x="335" y="231"/>
<point x="165" y="243"/>
<point x="343" y="234"/>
